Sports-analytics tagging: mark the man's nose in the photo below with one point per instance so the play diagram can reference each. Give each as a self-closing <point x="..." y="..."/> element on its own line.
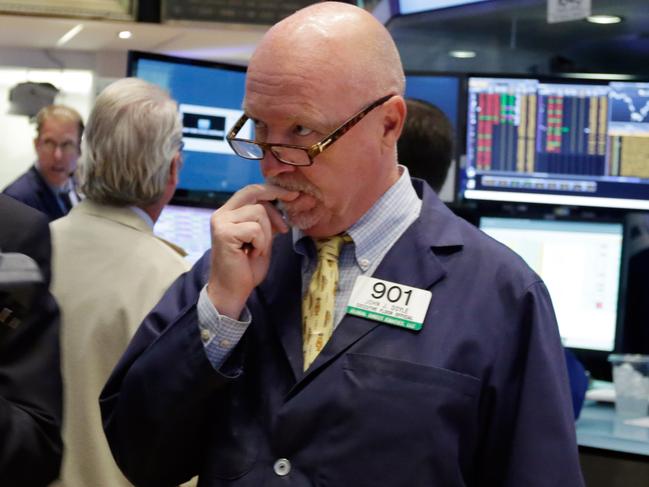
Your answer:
<point x="271" y="166"/>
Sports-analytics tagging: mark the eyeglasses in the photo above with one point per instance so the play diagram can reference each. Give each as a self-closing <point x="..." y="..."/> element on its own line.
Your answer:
<point x="294" y="155"/>
<point x="68" y="148"/>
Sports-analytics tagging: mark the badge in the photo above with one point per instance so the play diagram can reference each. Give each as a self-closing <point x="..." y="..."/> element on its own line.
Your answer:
<point x="389" y="302"/>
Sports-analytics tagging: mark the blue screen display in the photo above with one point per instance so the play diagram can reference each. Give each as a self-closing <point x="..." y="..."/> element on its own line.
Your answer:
<point x="443" y="91"/>
<point x="209" y="98"/>
<point x="415" y="6"/>
<point x="440" y="90"/>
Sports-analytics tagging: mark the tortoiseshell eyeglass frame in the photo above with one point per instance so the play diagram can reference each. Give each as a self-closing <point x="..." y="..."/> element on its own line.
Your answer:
<point x="312" y="151"/>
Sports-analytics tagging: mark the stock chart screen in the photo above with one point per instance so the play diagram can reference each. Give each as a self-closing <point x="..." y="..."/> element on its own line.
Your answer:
<point x="570" y="142"/>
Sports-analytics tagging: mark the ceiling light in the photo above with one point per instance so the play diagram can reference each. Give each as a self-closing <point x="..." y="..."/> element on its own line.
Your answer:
<point x="69" y="35"/>
<point x="125" y="34"/>
<point x="604" y="19"/>
<point x="462" y="54"/>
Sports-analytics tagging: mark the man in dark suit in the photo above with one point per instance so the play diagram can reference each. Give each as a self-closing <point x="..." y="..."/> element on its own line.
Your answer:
<point x="437" y="362"/>
<point x="30" y="381"/>
<point x="48" y="185"/>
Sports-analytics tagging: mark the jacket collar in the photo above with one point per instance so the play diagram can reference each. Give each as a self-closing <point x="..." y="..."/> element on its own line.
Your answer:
<point x="122" y="215"/>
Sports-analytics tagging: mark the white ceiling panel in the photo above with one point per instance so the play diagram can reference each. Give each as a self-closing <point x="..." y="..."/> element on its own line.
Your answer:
<point x="224" y="42"/>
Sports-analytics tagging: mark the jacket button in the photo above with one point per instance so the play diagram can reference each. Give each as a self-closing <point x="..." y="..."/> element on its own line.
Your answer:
<point x="282" y="467"/>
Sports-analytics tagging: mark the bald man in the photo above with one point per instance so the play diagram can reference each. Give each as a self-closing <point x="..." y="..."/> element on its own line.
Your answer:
<point x="439" y="363"/>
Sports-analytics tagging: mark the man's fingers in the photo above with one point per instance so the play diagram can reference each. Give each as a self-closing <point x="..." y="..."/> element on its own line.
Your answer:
<point x="257" y="193"/>
<point x="276" y="218"/>
<point x="248" y="220"/>
<point x="254" y="240"/>
<point x="235" y="226"/>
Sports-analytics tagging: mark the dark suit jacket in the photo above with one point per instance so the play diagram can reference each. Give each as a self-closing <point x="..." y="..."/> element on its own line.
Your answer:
<point x="31" y="189"/>
<point x="479" y="396"/>
<point x="30" y="381"/>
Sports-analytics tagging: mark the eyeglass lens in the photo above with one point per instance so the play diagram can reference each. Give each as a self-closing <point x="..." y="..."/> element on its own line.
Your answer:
<point x="66" y="147"/>
<point x="298" y="157"/>
<point x="249" y="150"/>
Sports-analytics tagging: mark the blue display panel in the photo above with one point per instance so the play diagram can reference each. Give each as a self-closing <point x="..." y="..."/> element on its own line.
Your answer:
<point x="416" y="6"/>
<point x="209" y="97"/>
<point x="439" y="89"/>
<point x="569" y="142"/>
<point x="443" y="91"/>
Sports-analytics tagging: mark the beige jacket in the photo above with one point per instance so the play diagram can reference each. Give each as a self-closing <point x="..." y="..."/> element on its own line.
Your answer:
<point x="108" y="272"/>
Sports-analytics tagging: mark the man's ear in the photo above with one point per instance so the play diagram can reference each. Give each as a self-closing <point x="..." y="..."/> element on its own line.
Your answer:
<point x="393" y="120"/>
<point x="174" y="169"/>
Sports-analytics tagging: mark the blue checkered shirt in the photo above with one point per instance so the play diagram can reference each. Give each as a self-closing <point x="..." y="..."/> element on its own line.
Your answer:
<point x="373" y="235"/>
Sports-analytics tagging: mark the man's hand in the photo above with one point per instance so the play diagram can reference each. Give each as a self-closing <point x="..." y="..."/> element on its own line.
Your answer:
<point x="242" y="235"/>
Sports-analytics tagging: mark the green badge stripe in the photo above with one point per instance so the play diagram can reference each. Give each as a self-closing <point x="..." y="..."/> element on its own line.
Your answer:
<point x="389" y="320"/>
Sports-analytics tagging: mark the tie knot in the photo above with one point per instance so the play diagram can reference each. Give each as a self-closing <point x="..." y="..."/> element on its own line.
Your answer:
<point x="329" y="248"/>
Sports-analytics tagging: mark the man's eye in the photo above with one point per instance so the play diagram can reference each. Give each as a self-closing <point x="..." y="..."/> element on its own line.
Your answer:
<point x="302" y="130"/>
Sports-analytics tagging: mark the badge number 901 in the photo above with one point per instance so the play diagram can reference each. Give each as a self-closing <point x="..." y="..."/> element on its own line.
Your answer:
<point x="392" y="293"/>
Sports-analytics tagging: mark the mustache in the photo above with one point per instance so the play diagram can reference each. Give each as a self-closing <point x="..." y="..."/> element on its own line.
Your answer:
<point x="290" y="184"/>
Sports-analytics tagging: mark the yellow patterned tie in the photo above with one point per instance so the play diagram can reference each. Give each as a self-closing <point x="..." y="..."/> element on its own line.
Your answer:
<point x="318" y="303"/>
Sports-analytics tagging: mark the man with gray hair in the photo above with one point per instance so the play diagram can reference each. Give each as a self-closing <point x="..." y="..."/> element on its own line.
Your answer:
<point x="380" y="341"/>
<point x="109" y="269"/>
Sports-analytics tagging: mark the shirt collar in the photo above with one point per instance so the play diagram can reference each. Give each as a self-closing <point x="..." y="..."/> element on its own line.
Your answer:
<point x="380" y="220"/>
<point x="384" y="218"/>
<point x="143" y="214"/>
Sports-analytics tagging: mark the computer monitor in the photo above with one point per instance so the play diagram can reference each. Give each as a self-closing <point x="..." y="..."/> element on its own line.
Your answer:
<point x="440" y="89"/>
<point x="186" y="226"/>
<point x="580" y="263"/>
<point x="417" y="6"/>
<point x="569" y="141"/>
<point x="209" y="97"/>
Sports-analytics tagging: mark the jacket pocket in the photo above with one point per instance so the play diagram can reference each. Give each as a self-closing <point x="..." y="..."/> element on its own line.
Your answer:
<point x="405" y="424"/>
<point x="367" y="367"/>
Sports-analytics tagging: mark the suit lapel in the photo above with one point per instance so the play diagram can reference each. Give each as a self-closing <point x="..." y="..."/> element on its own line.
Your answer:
<point x="282" y="291"/>
<point x="46" y="195"/>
